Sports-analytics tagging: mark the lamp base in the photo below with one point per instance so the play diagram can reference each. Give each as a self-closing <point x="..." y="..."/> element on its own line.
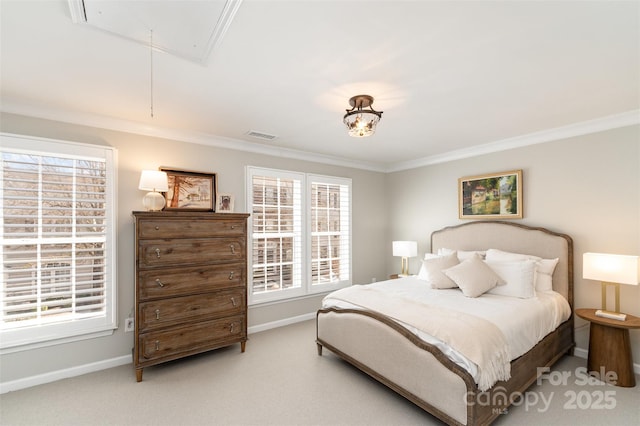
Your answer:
<point x="611" y="315"/>
<point x="405" y="267"/>
<point x="153" y="201"/>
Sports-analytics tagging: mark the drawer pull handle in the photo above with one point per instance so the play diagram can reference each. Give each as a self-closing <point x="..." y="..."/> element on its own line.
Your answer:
<point x="233" y="249"/>
<point x="157" y="314"/>
<point x="233" y="227"/>
<point x="159" y="282"/>
<point x="157" y="345"/>
<point x="157" y="228"/>
<point x="158" y="253"/>
<point x="231" y="275"/>
<point x="232" y="327"/>
<point x="233" y="302"/>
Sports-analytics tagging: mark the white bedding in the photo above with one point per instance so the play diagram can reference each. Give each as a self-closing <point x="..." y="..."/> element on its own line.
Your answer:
<point x="524" y="322"/>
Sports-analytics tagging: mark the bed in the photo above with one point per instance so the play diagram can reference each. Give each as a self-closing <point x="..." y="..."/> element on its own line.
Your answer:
<point x="423" y="370"/>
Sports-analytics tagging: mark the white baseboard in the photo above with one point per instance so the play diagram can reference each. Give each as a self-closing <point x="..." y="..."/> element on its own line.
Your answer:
<point x="584" y="353"/>
<point x="79" y="370"/>
<point x="281" y="323"/>
<point x="53" y="376"/>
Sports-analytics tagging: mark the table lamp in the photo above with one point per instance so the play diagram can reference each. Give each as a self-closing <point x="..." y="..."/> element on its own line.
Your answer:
<point x="155" y="182"/>
<point x="612" y="270"/>
<point x="405" y="249"/>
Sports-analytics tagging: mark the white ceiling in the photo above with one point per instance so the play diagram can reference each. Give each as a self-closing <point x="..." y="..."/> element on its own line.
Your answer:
<point x="450" y="76"/>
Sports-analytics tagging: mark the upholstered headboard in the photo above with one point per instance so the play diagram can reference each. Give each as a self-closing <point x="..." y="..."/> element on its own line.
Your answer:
<point x="516" y="238"/>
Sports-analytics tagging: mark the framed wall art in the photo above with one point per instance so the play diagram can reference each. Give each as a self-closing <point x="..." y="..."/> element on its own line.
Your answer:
<point x="190" y="190"/>
<point x="492" y="196"/>
<point x="225" y="203"/>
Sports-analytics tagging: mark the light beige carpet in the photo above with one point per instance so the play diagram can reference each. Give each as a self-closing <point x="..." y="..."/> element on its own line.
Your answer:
<point x="280" y="380"/>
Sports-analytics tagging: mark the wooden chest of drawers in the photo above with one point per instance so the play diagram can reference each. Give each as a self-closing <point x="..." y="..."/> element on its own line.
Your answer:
<point x="190" y="284"/>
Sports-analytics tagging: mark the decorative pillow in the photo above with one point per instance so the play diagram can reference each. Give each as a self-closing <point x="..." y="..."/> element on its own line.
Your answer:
<point x="422" y="274"/>
<point x="505" y="256"/>
<point x="431" y="271"/>
<point x="462" y="254"/>
<point x="431" y="256"/>
<point x="473" y="276"/>
<point x="544" y="267"/>
<point x="518" y="277"/>
<point x="544" y="274"/>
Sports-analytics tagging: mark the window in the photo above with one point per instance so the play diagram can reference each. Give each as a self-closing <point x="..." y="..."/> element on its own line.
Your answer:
<point x="57" y="242"/>
<point x="330" y="231"/>
<point x="300" y="234"/>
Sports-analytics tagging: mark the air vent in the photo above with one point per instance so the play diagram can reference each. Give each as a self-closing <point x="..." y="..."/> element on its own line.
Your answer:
<point x="261" y="135"/>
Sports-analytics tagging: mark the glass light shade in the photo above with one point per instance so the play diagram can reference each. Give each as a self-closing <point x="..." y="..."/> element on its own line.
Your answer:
<point x="612" y="268"/>
<point x="405" y="248"/>
<point x="362" y="124"/>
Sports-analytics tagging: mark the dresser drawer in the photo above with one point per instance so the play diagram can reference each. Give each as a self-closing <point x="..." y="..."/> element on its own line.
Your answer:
<point x="190" y="228"/>
<point x="188" y="339"/>
<point x="155" y="253"/>
<point x="160" y="283"/>
<point x="161" y="313"/>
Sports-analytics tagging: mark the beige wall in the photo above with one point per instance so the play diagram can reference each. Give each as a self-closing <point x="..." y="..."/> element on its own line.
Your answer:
<point x="587" y="187"/>
<point x="136" y="153"/>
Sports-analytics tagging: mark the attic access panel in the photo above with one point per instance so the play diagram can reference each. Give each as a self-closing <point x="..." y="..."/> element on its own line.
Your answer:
<point x="189" y="29"/>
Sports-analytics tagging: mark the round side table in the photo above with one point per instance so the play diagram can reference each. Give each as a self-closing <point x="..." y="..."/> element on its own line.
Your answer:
<point x="609" y="345"/>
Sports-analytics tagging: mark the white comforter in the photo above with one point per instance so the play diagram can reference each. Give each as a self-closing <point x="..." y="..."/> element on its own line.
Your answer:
<point x="523" y="322"/>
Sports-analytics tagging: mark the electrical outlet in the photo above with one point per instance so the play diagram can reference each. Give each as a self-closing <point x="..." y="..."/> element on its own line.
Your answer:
<point x="128" y="325"/>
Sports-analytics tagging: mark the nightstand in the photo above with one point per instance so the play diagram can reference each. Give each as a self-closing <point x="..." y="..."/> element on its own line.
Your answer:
<point x="609" y="345"/>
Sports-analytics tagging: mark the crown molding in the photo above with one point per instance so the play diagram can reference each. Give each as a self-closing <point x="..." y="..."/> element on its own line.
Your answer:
<point x="625" y="119"/>
<point x="128" y="126"/>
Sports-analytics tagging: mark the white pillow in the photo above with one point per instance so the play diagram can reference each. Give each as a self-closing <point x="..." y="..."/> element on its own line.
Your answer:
<point x="544" y="267"/>
<point x="544" y="274"/>
<point x="473" y="276"/>
<point x="422" y="274"/>
<point x="431" y="271"/>
<point x="518" y="276"/>
<point x="462" y="254"/>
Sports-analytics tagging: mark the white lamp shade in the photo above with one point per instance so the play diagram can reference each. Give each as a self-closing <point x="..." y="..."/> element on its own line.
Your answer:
<point x="153" y="180"/>
<point x="405" y="248"/>
<point x="612" y="268"/>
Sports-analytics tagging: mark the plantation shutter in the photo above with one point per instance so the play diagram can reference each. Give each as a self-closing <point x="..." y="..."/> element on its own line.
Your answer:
<point x="300" y="234"/>
<point x="330" y="230"/>
<point x="276" y="232"/>
<point x="56" y="242"/>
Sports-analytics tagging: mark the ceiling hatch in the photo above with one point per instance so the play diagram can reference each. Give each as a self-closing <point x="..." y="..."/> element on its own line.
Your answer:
<point x="189" y="29"/>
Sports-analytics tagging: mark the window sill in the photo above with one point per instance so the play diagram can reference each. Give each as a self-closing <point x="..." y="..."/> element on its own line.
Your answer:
<point x="289" y="299"/>
<point x="43" y="344"/>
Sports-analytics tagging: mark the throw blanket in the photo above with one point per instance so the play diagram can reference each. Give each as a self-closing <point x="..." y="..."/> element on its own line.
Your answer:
<point x="477" y="339"/>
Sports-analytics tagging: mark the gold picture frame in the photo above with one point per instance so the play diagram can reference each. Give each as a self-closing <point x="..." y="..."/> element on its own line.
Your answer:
<point x="189" y="190"/>
<point x="491" y="196"/>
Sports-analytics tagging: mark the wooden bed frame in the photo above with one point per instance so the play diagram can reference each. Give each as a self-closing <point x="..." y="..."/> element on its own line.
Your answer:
<point x="419" y="371"/>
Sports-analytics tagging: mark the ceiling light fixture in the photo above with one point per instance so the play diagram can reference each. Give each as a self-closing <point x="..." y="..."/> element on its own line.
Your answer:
<point x="361" y="122"/>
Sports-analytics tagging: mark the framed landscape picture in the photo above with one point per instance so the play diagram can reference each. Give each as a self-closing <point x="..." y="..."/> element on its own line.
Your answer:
<point x="492" y="196"/>
<point x="190" y="190"/>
